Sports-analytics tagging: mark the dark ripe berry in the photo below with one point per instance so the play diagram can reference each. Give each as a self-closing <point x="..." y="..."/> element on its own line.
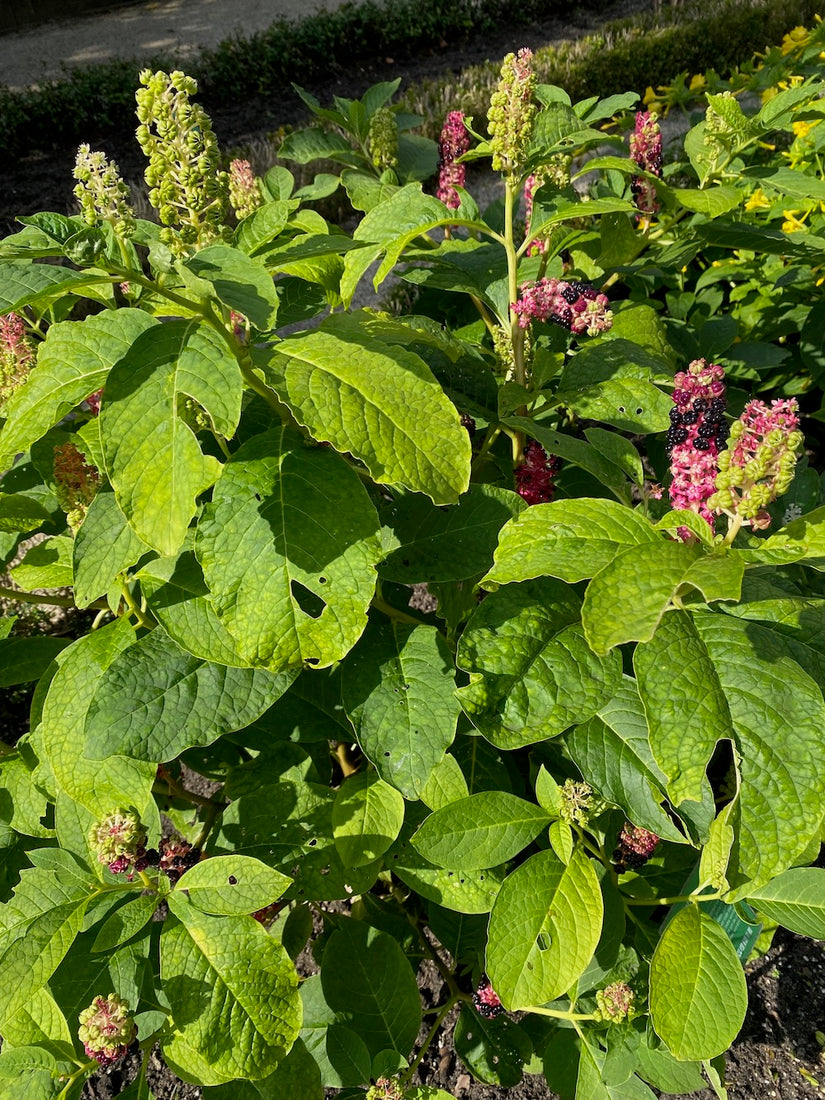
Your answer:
<point x="486" y="1001"/>
<point x="722" y="440"/>
<point x="717" y="406"/>
<point x="562" y="317"/>
<point x="701" y="444"/>
<point x="706" y="430"/>
<point x="568" y="292"/>
<point x="676" y="436"/>
<point x="700" y="404"/>
<point x="468" y="423"/>
<point x="675" y="416"/>
<point x="681" y="397"/>
<point x="583" y="290"/>
<point x="690" y="417"/>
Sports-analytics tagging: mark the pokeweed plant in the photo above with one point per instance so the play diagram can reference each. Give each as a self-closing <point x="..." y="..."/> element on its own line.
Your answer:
<point x="576" y="786"/>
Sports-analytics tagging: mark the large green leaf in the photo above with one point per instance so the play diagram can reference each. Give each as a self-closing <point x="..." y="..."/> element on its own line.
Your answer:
<point x="152" y="457"/>
<point x="288" y="825"/>
<point x="288" y="546"/>
<point x="796" y="900"/>
<point x="104" y="547"/>
<point x="629" y="405"/>
<point x="47" y="564"/>
<point x="238" y="281"/>
<point x="179" y="599"/>
<point x="23" y="660"/>
<point x="378" y="401"/>
<point x="398" y="689"/>
<point x="39" y="926"/>
<point x="156" y="700"/>
<point x="369" y="984"/>
<point x="626" y="600"/>
<point x="613" y="751"/>
<point x="450" y="545"/>
<point x="296" y="1077"/>
<point x="576" y="452"/>
<point x="687" y="712"/>
<point x="544" y="928"/>
<point x="99" y="785"/>
<point x="235" y="885"/>
<point x="493" y="1050"/>
<point x="482" y="830"/>
<point x="532" y="674"/>
<point x="233" y="994"/>
<point x="698" y="994"/>
<point x="367" y="816"/>
<point x="569" y="539"/>
<point x="72" y="362"/>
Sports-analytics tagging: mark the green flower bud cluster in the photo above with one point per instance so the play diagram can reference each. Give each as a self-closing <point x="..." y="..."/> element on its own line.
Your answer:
<point x="76" y="483"/>
<point x="106" y="1029"/>
<point x="385" y="1089"/>
<point x="102" y="193"/>
<point x="383" y="139"/>
<point x="759" y="463"/>
<point x="119" y="841"/>
<point x="512" y="112"/>
<point x="186" y="185"/>
<point x="615" y="1003"/>
<point x="577" y="802"/>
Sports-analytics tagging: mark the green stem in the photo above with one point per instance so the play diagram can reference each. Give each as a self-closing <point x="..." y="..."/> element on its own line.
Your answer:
<point x="734" y="527"/>
<point x="86" y="1068"/>
<point x="134" y="608"/>
<point x="380" y="604"/>
<point x="405" y="1078"/>
<point x="174" y="790"/>
<point x="561" y="1014"/>
<point x="52" y="601"/>
<point x="493" y="432"/>
<point x="213" y="812"/>
<point x="677" y="900"/>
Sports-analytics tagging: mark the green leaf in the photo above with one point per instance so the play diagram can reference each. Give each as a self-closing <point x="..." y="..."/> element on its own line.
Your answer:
<point x="234" y="885"/>
<point x="569" y="539"/>
<point x="179" y="599"/>
<point x="577" y="452"/>
<point x="494" y="1050"/>
<point x="38" y="1021"/>
<point x="233" y="994"/>
<point x="614" y="752"/>
<point x="544" y="928"/>
<point x="126" y="922"/>
<point x="482" y="830"/>
<point x="34" y="1073"/>
<point x="778" y="716"/>
<point x="367" y="816"/>
<point x="288" y="825"/>
<point x="153" y="459"/>
<point x="238" y="281"/>
<point x="21" y="513"/>
<point x="618" y="450"/>
<point x="698" y="994"/>
<point x="72" y="362"/>
<point x="304" y="146"/>
<point x="297" y="1077"/>
<point x="398" y="689"/>
<point x="532" y="673"/>
<point x="262" y="226"/>
<point x="713" y="201"/>
<point x="796" y="900"/>
<point x="41" y="922"/>
<point x="446" y="784"/>
<point x="687" y="712"/>
<point x="626" y="600"/>
<point x="631" y="406"/>
<point x="156" y="700"/>
<point x="104" y="547"/>
<point x="641" y="324"/>
<point x="369" y="983"/>
<point x="288" y="546"/>
<point x="666" y="1073"/>
<point x="23" y="284"/>
<point x="23" y="660"/>
<point x="48" y="564"/>
<point x="451" y="545"/>
<point x="375" y="400"/>
<point x="99" y="785"/>
<point x="340" y="1054"/>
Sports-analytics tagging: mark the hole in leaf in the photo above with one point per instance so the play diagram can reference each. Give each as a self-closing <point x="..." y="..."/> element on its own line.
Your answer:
<point x="258" y="497"/>
<point x="543" y="941"/>
<point x="495" y="1059"/>
<point x="469" y="1035"/>
<point x="308" y="602"/>
<point x="325" y="870"/>
<point x="639" y="411"/>
<point x="386" y="753"/>
<point x="621" y="408"/>
<point x="322" y="580"/>
<point x="233" y="881"/>
<point x="313" y="842"/>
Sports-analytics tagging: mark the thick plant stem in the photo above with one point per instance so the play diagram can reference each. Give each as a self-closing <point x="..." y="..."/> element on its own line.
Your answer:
<point x="33" y="597"/>
<point x="561" y="1014"/>
<point x="405" y="1078"/>
<point x="679" y="899"/>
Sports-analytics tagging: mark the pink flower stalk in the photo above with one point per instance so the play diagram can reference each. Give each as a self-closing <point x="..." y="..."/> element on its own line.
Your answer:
<point x="244" y="194"/>
<point x="759" y="464"/>
<point x="539" y="247"/>
<point x="106" y="1029"/>
<point x="535" y="477"/>
<point x="636" y="846"/>
<point x="76" y="483"/>
<point x="16" y="355"/>
<point x="697" y="434"/>
<point x="646" y="151"/>
<point x="575" y="306"/>
<point x="454" y="141"/>
<point x="486" y="1001"/>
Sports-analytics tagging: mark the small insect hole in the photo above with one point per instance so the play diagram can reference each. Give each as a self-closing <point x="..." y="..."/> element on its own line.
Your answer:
<point x="621" y="408"/>
<point x="639" y="411"/>
<point x="233" y="881"/>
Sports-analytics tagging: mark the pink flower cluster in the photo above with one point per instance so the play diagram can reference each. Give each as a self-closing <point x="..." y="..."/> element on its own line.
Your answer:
<point x="16" y="354"/>
<point x="697" y="434"/>
<point x="244" y="193"/>
<point x="106" y="1029"/>
<point x="646" y="151"/>
<point x="575" y="306"/>
<point x="759" y="465"/>
<point x="531" y="185"/>
<point x="453" y="142"/>
<point x="635" y="847"/>
<point x="535" y="477"/>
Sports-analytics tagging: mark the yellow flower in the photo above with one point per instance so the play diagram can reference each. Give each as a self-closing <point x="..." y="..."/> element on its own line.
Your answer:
<point x="794" y="40"/>
<point x="697" y="83"/>
<point x="769" y="93"/>
<point x="802" y="129"/>
<point x="757" y="201"/>
<point x="792" y="223"/>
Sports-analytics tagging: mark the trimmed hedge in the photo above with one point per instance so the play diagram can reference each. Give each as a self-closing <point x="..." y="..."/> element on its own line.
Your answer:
<point x="649" y="49"/>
